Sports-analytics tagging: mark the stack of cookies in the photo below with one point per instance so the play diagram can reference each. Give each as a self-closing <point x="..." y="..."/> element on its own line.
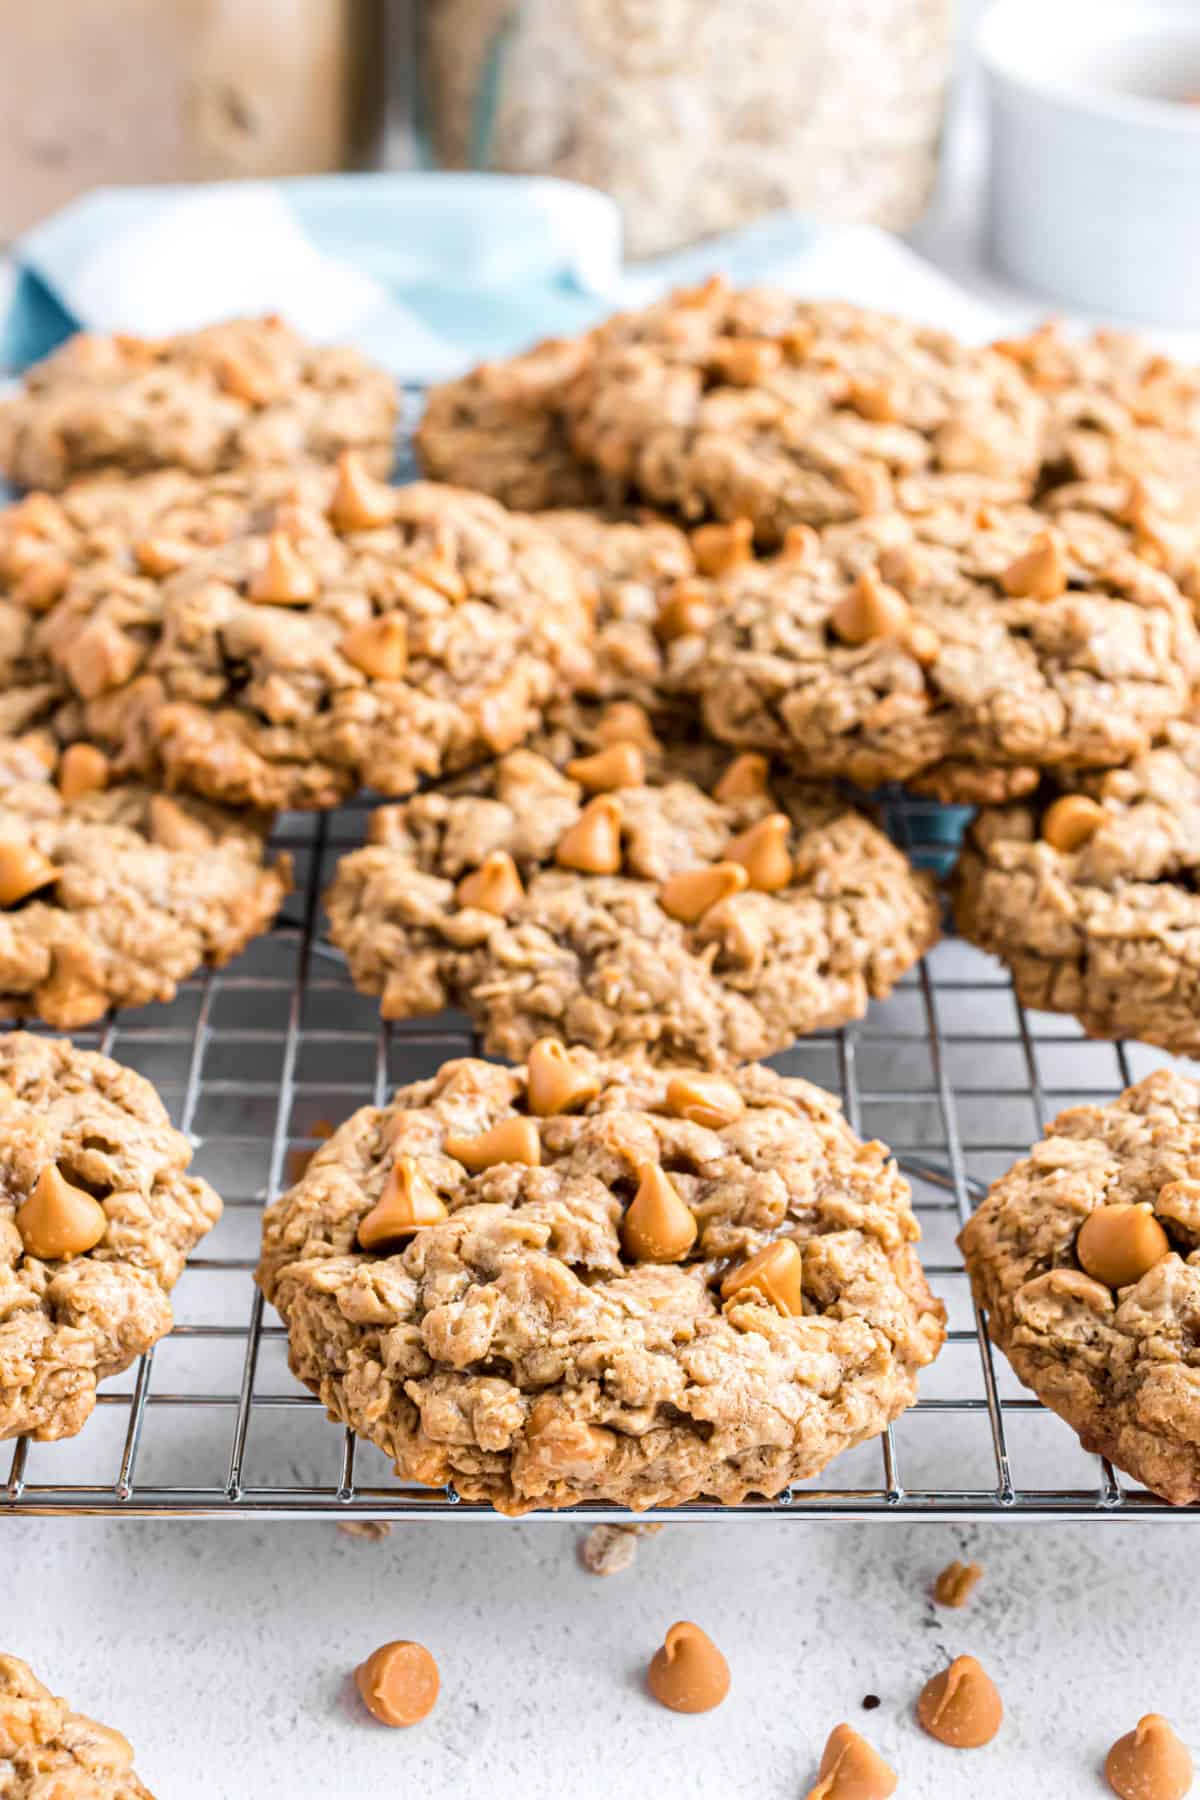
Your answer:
<point x="674" y="598"/>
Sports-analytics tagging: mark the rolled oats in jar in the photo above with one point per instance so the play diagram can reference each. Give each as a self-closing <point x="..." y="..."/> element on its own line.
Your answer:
<point x="697" y="115"/>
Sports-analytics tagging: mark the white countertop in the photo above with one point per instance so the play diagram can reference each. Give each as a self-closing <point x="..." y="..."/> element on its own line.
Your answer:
<point x="224" y="1650"/>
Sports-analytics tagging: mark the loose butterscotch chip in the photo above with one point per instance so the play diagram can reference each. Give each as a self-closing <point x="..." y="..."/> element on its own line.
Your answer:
<point x="284" y="579"/>
<point x="555" y="1082"/>
<point x="359" y="502"/>
<point x="511" y="1141"/>
<point x="1119" y="1244"/>
<point x="852" y="1769"/>
<point x="763" y="853"/>
<point x="960" y="1706"/>
<point x="689" y="895"/>
<point x="719" y="548"/>
<point x="704" y="1100"/>
<point x="956" y="1583"/>
<point x="625" y="722"/>
<point x="494" y="887"/>
<point x="1149" y="1763"/>
<point x="746" y="778"/>
<point x="407" y="1202"/>
<point x="59" y="1221"/>
<point x="1040" y="573"/>
<point x="774" y="1273"/>
<point x="399" y="1683"/>
<point x="162" y="555"/>
<point x="686" y="611"/>
<point x="688" y="1672"/>
<point x="618" y="766"/>
<point x="379" y="647"/>
<point x="83" y="770"/>
<point x="23" y="870"/>
<point x="593" y="843"/>
<point x="658" y="1226"/>
<point x="870" y="610"/>
<point x="1071" y="821"/>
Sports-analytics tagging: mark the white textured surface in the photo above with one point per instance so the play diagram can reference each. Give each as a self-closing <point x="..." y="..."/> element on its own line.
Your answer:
<point x="224" y="1652"/>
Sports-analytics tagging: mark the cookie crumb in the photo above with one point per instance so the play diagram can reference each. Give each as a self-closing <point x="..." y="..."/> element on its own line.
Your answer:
<point x="956" y="1583"/>
<point x="611" y="1549"/>
<point x="373" y="1530"/>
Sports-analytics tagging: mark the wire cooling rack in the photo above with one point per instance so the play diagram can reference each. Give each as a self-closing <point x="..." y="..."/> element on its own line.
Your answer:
<point x="257" y="1062"/>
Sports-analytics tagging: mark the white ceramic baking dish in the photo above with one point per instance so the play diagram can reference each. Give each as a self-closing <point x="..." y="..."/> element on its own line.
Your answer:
<point x="1094" y="189"/>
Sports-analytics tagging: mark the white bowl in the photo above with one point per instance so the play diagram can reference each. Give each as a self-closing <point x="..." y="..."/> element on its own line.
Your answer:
<point x="1094" y="189"/>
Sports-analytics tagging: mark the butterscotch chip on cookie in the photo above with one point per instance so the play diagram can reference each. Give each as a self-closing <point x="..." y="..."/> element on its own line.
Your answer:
<point x="111" y="894"/>
<point x="48" y="1751"/>
<point x="248" y="392"/>
<point x="693" y="908"/>
<point x="757" y="405"/>
<point x="500" y="429"/>
<point x="370" y="636"/>
<point x="1087" y="892"/>
<point x="1086" y="1256"/>
<point x="954" y="646"/>
<point x="76" y="1128"/>
<point x="517" y="1349"/>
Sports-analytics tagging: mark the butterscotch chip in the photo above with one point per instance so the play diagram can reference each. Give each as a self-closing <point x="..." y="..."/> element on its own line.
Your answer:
<point x="379" y="647"/>
<point x="744" y="779"/>
<point x="852" y="1769"/>
<point x="408" y="1202"/>
<point x="558" y="1081"/>
<point x="657" y="1226"/>
<point x="495" y="886"/>
<point x="922" y="643"/>
<point x="593" y="844"/>
<point x="359" y="503"/>
<point x="775" y="1273"/>
<point x="693" y="892"/>
<point x="1118" y="1244"/>
<point x="59" y="1221"/>
<point x="49" y="1752"/>
<point x="162" y="555"/>
<point x="627" y="722"/>
<point x="744" y="362"/>
<point x="1071" y="821"/>
<point x="509" y="1141"/>
<point x="870" y="610"/>
<point x="686" y="611"/>
<point x="872" y="400"/>
<point x="719" y="548"/>
<point x="399" y="1683"/>
<point x="284" y="578"/>
<point x="96" y="1188"/>
<point x="763" y="852"/>
<point x="688" y="1672"/>
<point x="249" y="393"/>
<point x="707" y="1100"/>
<point x="1040" y="573"/>
<point x="618" y="766"/>
<point x="956" y="1583"/>
<point x="960" y="1706"/>
<point x="42" y="583"/>
<point x="1149" y="1763"/>
<point x="23" y="870"/>
<point x="533" y="1361"/>
<point x="631" y="954"/>
<point x="82" y="770"/>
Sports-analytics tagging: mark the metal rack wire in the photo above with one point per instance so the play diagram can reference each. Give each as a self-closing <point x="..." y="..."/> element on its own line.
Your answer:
<point x="255" y="1061"/>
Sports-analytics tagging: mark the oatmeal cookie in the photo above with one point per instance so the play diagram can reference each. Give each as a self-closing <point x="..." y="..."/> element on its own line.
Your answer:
<point x="1088" y="892"/>
<point x="632" y="896"/>
<point x="372" y="636"/>
<point x="500" y="429"/>
<point x="97" y="1217"/>
<point x="590" y="1280"/>
<point x="48" y="1752"/>
<point x="957" y="647"/>
<point x="111" y="893"/>
<point x="247" y="392"/>
<point x="1086" y="1256"/>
